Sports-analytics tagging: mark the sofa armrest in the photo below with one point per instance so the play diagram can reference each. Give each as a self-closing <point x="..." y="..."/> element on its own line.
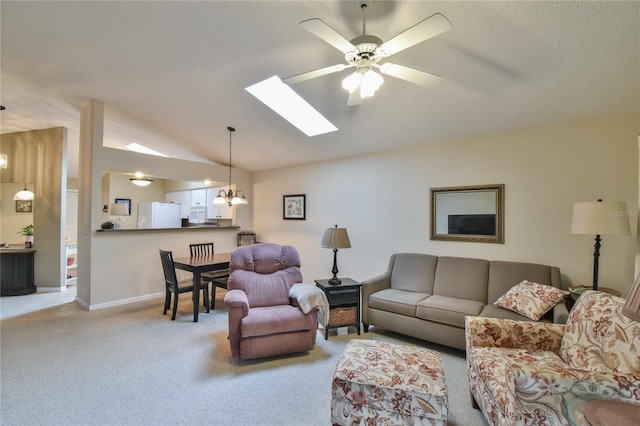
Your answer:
<point x="238" y="306"/>
<point x="377" y="283"/>
<point x="561" y="380"/>
<point x="369" y="287"/>
<point x="505" y="333"/>
<point x="235" y="299"/>
<point x="560" y="313"/>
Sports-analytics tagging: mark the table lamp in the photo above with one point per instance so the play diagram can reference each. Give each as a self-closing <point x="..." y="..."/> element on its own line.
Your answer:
<point x="117" y="210"/>
<point x="335" y="238"/>
<point x="599" y="218"/>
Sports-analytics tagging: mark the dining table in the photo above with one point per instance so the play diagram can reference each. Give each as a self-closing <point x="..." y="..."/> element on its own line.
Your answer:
<point x="197" y="265"/>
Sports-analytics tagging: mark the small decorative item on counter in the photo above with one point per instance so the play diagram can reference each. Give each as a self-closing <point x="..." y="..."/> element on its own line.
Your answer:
<point x="27" y="231"/>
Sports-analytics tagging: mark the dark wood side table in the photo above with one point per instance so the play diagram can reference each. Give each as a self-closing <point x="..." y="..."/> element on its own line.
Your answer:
<point x="344" y="303"/>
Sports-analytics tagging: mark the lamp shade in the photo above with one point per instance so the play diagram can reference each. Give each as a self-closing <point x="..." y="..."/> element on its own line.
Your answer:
<point x="600" y="218"/>
<point x="118" y="209"/>
<point x="24" y="194"/>
<point x="335" y="238"/>
<point x="632" y="307"/>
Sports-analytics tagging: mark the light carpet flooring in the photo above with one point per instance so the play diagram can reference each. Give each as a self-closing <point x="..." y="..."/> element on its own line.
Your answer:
<point x="129" y="365"/>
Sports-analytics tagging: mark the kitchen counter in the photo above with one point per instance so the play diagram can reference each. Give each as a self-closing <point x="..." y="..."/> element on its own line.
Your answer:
<point x="186" y="228"/>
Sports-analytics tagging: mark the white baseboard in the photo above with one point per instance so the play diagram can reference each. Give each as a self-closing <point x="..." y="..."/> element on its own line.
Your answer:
<point x="120" y="302"/>
<point x="41" y="289"/>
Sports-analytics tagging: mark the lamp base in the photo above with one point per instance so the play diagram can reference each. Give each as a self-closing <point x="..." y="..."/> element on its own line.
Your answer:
<point x="335" y="281"/>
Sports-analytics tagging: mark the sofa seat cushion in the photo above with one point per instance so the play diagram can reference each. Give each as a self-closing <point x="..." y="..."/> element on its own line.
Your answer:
<point x="496" y="373"/>
<point x="493" y="311"/>
<point x="273" y="320"/>
<point x="599" y="337"/>
<point x="448" y="310"/>
<point x="396" y="301"/>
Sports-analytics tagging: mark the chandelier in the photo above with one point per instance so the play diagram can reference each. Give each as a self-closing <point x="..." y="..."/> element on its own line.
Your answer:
<point x="231" y="197"/>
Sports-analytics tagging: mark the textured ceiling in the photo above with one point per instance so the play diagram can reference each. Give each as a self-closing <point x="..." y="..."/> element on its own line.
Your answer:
<point x="172" y="74"/>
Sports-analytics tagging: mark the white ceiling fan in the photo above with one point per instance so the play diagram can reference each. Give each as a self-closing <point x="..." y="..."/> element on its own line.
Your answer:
<point x="366" y="51"/>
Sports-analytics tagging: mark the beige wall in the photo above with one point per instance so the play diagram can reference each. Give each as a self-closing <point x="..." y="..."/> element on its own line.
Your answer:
<point x="117" y="268"/>
<point x="11" y="222"/>
<point x="119" y="186"/>
<point x="40" y="157"/>
<point x="383" y="200"/>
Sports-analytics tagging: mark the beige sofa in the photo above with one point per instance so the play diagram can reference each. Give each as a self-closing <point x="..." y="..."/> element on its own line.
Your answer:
<point x="428" y="297"/>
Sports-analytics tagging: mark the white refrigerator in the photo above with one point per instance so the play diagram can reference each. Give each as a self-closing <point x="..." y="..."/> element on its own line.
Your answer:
<point x="159" y="215"/>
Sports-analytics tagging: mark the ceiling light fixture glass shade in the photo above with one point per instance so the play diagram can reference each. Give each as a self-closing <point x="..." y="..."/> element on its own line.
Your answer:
<point x="24" y="195"/>
<point x="367" y="80"/>
<point x="141" y="181"/>
<point x="231" y="197"/>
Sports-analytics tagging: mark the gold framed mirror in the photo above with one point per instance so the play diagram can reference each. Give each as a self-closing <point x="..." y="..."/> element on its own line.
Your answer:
<point x="468" y="213"/>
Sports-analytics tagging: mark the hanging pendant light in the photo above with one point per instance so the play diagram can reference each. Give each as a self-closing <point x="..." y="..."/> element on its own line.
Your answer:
<point x="231" y="197"/>
<point x="24" y="194"/>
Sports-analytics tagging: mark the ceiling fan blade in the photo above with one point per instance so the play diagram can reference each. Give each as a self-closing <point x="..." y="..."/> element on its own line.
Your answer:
<point x="411" y="75"/>
<point x="430" y="27"/>
<point x="316" y="73"/>
<point x="319" y="28"/>
<point x="354" y="98"/>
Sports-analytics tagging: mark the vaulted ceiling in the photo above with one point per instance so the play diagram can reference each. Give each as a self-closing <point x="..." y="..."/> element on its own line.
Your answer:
<point x="172" y="74"/>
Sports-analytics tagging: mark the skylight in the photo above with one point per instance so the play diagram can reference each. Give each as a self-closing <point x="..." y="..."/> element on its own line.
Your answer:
<point x="143" y="150"/>
<point x="286" y="102"/>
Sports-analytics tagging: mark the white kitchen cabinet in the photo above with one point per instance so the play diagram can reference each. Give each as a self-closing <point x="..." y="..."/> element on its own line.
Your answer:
<point x="199" y="197"/>
<point x="217" y="211"/>
<point x="180" y="197"/>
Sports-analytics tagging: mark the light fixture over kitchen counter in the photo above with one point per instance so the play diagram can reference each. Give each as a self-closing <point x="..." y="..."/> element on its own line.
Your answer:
<point x="140" y="180"/>
<point x="231" y="197"/>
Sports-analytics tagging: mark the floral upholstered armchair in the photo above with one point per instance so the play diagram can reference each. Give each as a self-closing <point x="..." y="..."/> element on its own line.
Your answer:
<point x="526" y="373"/>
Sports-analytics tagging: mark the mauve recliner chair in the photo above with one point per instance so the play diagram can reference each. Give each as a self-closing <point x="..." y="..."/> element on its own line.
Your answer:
<point x="263" y="320"/>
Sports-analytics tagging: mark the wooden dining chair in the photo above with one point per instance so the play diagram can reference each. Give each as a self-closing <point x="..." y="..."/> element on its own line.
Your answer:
<point x="172" y="285"/>
<point x="217" y="278"/>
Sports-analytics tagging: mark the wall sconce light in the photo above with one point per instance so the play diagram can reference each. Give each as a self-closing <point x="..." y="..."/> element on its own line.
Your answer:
<point x="4" y="161"/>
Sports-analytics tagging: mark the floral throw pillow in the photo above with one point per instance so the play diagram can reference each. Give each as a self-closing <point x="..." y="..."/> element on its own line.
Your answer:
<point x="530" y="299"/>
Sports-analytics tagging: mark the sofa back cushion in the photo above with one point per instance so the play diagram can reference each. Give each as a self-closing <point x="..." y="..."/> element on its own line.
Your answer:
<point x="462" y="278"/>
<point x="413" y="272"/>
<point x="598" y="337"/>
<point x="504" y="275"/>
<point x="265" y="272"/>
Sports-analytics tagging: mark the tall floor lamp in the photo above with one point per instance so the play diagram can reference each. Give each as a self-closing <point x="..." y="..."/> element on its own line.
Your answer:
<point x="600" y="218"/>
<point x="335" y="238"/>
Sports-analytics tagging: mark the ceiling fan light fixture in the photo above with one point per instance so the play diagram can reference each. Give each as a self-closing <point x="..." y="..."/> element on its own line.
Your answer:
<point x="352" y="82"/>
<point x="371" y="82"/>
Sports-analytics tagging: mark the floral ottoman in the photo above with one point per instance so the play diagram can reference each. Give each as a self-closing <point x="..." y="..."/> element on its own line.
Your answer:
<point x="384" y="383"/>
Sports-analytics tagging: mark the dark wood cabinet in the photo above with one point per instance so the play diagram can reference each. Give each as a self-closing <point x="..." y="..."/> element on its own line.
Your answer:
<point x="17" y="272"/>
